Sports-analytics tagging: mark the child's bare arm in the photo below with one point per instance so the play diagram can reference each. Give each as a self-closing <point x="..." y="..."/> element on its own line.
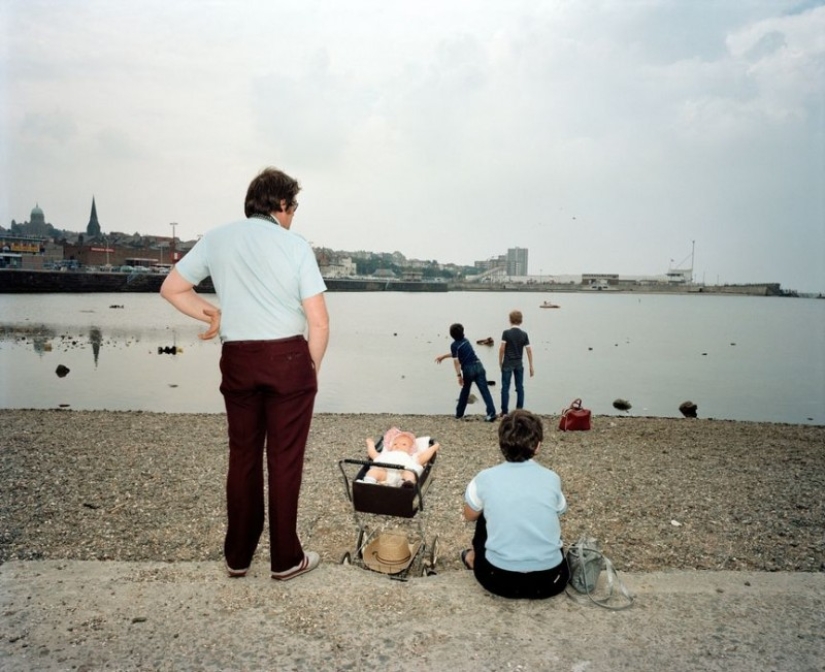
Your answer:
<point x="371" y="451"/>
<point x="426" y="455"/>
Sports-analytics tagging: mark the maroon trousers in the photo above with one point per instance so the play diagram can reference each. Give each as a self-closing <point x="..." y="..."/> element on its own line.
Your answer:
<point x="269" y="390"/>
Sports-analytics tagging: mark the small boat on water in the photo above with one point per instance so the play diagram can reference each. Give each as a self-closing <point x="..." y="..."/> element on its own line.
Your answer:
<point x="548" y="304"/>
<point x="486" y="341"/>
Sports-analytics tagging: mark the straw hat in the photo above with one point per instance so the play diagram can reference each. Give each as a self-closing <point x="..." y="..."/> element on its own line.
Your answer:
<point x="389" y="553"/>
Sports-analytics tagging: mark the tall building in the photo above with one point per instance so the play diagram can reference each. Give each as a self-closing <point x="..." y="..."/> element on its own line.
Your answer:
<point x="93" y="227"/>
<point x="517" y="261"/>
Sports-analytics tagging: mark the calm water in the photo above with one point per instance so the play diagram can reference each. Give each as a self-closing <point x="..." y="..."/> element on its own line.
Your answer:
<point x="738" y="358"/>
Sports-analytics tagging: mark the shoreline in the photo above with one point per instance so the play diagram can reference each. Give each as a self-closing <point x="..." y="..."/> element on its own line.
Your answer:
<point x="40" y="281"/>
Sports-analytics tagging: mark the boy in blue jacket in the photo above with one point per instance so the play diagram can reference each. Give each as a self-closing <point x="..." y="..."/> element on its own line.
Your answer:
<point x="469" y="369"/>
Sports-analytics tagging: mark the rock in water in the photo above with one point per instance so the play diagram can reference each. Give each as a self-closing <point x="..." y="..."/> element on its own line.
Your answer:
<point x="688" y="409"/>
<point x="622" y="405"/>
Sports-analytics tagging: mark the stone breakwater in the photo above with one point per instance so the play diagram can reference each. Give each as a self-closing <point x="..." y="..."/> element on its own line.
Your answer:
<point x="24" y="281"/>
<point x="659" y="494"/>
<point x="66" y="282"/>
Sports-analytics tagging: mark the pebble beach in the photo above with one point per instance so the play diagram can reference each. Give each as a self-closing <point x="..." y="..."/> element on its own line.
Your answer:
<point x="111" y="529"/>
<point x="658" y="494"/>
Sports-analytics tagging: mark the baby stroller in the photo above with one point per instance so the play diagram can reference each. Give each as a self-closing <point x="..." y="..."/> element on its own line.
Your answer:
<point x="391" y="535"/>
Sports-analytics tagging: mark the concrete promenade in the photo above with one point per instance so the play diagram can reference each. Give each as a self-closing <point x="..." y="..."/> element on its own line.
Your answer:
<point x="71" y="615"/>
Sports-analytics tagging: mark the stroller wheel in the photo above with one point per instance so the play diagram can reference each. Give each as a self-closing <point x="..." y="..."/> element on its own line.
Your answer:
<point x="346" y="559"/>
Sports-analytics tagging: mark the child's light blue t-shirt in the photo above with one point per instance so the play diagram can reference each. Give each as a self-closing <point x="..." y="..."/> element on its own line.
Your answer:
<point x="521" y="502"/>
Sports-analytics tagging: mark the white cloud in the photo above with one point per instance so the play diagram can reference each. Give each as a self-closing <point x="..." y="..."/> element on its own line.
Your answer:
<point x="444" y="129"/>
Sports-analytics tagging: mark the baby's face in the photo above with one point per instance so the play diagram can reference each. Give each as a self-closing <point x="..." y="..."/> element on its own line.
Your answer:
<point x="404" y="443"/>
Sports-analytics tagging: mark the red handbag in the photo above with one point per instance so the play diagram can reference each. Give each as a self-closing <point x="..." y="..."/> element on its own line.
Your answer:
<point x="574" y="417"/>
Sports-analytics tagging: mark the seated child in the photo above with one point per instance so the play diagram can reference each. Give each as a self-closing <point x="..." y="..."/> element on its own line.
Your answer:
<point x="399" y="448"/>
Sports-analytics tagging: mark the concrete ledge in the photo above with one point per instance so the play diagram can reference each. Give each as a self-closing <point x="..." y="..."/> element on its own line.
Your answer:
<point x="60" y="615"/>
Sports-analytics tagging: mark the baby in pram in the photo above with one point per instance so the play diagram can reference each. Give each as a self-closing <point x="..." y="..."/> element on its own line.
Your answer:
<point x="399" y="448"/>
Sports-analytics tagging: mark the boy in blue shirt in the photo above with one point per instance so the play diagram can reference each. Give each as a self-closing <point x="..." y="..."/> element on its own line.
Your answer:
<point x="469" y="370"/>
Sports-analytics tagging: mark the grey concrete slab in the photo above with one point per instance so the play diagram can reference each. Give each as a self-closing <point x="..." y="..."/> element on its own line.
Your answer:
<point x="189" y="616"/>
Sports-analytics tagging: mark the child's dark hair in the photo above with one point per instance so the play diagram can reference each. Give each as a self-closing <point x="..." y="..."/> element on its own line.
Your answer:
<point x="457" y="331"/>
<point x="519" y="434"/>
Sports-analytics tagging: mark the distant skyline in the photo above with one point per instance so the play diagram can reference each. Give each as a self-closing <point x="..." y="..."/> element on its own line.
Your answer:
<point x="602" y="135"/>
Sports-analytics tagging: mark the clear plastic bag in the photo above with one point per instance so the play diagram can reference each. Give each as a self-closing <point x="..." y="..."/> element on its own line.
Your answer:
<point x="586" y="563"/>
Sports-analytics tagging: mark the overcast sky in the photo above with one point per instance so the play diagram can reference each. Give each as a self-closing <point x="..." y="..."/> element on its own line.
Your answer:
<point x="604" y="136"/>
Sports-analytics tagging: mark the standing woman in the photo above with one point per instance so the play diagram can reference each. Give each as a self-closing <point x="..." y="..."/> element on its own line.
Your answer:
<point x="271" y="295"/>
<point x="517" y="548"/>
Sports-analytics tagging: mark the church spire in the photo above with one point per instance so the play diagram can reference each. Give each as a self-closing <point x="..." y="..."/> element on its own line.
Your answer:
<point x="93" y="227"/>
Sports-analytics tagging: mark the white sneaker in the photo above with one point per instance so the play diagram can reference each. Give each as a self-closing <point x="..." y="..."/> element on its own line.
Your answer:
<point x="235" y="573"/>
<point x="311" y="561"/>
